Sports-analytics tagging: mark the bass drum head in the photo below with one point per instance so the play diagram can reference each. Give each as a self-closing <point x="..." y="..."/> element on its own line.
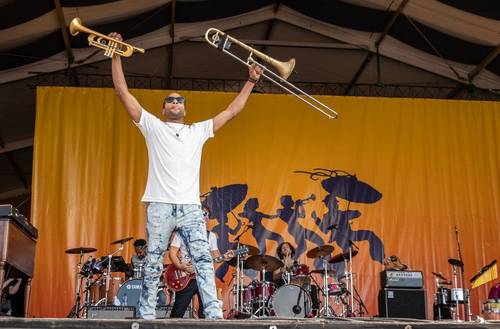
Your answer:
<point x="291" y="301"/>
<point x="129" y="293"/>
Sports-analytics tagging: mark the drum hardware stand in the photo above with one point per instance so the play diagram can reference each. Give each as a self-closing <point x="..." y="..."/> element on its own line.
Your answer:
<point x="348" y="274"/>
<point x="108" y="274"/>
<point x="75" y="310"/>
<point x="264" y="303"/>
<point x="362" y="307"/>
<point x="326" y="310"/>
<point x="238" y="279"/>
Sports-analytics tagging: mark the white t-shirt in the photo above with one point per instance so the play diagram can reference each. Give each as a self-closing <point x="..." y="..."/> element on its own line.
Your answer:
<point x="174" y="153"/>
<point x="184" y="256"/>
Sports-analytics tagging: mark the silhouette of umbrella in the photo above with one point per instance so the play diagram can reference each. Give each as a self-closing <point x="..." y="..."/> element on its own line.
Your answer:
<point x="226" y="198"/>
<point x="349" y="188"/>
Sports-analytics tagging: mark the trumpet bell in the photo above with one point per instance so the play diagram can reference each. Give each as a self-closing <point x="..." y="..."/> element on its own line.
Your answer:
<point x="75" y="26"/>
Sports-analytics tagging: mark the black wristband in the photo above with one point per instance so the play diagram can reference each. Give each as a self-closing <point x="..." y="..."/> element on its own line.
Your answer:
<point x="252" y="80"/>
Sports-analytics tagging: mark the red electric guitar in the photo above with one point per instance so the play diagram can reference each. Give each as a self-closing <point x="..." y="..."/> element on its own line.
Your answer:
<point x="177" y="279"/>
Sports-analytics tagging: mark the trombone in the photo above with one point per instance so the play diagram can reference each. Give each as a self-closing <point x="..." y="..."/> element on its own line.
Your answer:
<point x="111" y="46"/>
<point x="222" y="41"/>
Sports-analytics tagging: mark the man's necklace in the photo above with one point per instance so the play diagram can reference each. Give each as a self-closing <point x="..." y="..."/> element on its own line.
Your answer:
<point x="176" y="131"/>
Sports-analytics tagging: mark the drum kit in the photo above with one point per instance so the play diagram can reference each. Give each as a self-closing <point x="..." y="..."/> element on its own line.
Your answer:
<point x="448" y="295"/>
<point x="297" y="297"/>
<point x="101" y="281"/>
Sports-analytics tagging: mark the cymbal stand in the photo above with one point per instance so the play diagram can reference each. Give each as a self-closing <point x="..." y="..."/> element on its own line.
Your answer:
<point x="456" y="314"/>
<point x="75" y="311"/>
<point x="263" y="304"/>
<point x="350" y="283"/>
<point x="238" y="306"/>
<point x="326" y="310"/>
<point x="108" y="274"/>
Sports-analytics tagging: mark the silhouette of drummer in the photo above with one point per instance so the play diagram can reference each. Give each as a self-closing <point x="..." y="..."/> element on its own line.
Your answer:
<point x="338" y="221"/>
<point x="290" y="213"/>
<point x="259" y="232"/>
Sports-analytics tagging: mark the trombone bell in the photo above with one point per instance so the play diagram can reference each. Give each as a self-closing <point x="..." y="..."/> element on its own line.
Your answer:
<point x="109" y="45"/>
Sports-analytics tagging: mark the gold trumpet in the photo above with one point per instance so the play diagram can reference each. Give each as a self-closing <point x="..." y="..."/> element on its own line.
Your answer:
<point x="111" y="46"/>
<point x="223" y="41"/>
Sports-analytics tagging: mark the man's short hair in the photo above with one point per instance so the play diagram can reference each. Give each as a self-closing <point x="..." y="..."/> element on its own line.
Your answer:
<point x="139" y="243"/>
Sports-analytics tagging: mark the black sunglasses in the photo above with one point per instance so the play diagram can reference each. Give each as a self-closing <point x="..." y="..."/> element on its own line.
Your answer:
<point x="171" y="99"/>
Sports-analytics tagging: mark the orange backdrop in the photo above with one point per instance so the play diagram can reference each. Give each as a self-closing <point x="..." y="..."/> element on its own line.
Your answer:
<point x="435" y="162"/>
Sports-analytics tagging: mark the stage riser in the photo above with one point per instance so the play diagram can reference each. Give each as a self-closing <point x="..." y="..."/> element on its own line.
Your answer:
<point x="375" y="323"/>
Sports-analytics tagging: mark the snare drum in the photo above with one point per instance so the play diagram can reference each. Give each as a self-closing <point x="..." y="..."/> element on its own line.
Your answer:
<point x="491" y="309"/>
<point x="336" y="289"/>
<point x="300" y="275"/>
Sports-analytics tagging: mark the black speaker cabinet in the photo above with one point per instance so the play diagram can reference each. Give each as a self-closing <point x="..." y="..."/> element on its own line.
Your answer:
<point x="402" y="303"/>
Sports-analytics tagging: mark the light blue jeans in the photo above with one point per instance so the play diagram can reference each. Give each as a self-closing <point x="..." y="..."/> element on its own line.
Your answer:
<point x="189" y="224"/>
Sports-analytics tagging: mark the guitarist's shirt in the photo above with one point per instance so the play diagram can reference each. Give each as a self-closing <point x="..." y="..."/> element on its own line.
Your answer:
<point x="184" y="256"/>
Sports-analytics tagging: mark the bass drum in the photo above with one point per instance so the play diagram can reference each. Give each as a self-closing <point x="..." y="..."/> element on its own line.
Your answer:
<point x="291" y="301"/>
<point x="129" y="294"/>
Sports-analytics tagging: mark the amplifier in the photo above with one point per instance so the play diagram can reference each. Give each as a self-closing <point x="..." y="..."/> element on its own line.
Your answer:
<point x="402" y="303"/>
<point x="163" y="312"/>
<point x="8" y="211"/>
<point x="401" y="279"/>
<point x="111" y="312"/>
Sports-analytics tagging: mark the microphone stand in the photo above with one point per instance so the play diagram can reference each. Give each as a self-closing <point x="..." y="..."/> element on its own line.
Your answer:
<point x="465" y="293"/>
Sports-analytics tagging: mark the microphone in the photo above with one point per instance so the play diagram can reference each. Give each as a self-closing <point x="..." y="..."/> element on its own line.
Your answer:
<point x="333" y="227"/>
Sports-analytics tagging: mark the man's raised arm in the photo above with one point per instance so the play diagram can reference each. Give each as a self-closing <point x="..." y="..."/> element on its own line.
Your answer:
<point x="239" y="102"/>
<point x="130" y="103"/>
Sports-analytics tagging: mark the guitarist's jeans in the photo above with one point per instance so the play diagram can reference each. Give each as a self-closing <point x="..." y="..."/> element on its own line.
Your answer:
<point x="187" y="220"/>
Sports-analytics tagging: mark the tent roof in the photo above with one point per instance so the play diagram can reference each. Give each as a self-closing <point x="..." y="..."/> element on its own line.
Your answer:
<point x="415" y="48"/>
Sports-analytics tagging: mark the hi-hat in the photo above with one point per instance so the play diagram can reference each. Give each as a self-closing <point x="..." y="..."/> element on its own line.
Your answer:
<point x="263" y="262"/>
<point x="455" y="262"/>
<point x="122" y="241"/>
<point x="320" y="251"/>
<point x="341" y="257"/>
<point x="80" y="250"/>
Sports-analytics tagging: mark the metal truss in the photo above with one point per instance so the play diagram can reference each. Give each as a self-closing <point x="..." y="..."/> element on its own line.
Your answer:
<point x="366" y="90"/>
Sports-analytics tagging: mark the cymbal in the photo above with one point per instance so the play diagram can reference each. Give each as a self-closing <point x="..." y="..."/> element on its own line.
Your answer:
<point x="266" y="262"/>
<point x="122" y="241"/>
<point x="341" y="257"/>
<point x="80" y="250"/>
<point x="320" y="251"/>
<point x="322" y="271"/>
<point x="455" y="262"/>
<point x="439" y="275"/>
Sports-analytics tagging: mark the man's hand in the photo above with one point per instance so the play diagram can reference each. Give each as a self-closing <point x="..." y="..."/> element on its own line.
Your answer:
<point x="188" y="267"/>
<point x="228" y="255"/>
<point x="254" y="72"/>
<point x="116" y="36"/>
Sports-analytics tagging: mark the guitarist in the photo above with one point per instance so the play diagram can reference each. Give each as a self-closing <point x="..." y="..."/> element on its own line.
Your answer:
<point x="180" y="259"/>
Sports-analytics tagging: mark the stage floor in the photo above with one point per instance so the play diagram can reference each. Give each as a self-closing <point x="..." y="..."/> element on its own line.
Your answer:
<point x="360" y="323"/>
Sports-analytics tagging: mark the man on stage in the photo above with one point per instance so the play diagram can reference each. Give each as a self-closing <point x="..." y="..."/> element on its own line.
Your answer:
<point x="180" y="259"/>
<point x="172" y="190"/>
